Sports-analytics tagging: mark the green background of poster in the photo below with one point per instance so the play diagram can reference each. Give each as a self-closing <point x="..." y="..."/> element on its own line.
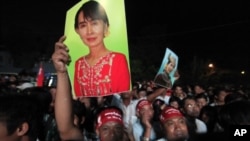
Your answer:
<point x="115" y="41"/>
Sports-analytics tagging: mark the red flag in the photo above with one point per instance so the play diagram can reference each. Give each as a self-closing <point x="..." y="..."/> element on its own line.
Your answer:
<point x="40" y="76"/>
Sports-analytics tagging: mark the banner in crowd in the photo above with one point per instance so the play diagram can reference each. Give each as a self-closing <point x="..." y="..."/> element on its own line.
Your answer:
<point x="167" y="74"/>
<point x="111" y="72"/>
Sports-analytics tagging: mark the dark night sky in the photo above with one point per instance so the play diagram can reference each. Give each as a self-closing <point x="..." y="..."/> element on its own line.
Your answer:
<point x="218" y="31"/>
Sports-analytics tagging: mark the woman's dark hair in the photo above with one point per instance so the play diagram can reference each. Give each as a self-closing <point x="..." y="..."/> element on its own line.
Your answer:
<point x="92" y="10"/>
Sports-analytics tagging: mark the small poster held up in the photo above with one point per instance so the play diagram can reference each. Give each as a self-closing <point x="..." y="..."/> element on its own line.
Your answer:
<point x="167" y="73"/>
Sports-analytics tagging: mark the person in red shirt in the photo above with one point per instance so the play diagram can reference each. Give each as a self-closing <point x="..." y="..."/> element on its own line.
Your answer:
<point x="102" y="71"/>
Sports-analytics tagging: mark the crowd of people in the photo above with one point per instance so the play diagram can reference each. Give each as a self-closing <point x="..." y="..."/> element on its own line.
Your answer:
<point x="146" y="113"/>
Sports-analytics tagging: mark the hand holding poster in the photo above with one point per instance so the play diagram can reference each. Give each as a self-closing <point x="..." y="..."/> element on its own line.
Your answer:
<point x="167" y="73"/>
<point x="98" y="67"/>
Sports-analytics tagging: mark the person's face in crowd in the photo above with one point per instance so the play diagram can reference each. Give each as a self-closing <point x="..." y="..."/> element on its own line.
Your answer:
<point x="110" y="131"/>
<point x="126" y="95"/>
<point x="174" y="104"/>
<point x="221" y="96"/>
<point x="146" y="112"/>
<point x="180" y="95"/>
<point x="142" y="94"/>
<point x="205" y="117"/>
<point x="4" y="136"/>
<point x="176" y="129"/>
<point x="178" y="90"/>
<point x="198" y="89"/>
<point x="191" y="108"/>
<point x="170" y="66"/>
<point x="210" y="90"/>
<point x="201" y="102"/>
<point x="91" y="31"/>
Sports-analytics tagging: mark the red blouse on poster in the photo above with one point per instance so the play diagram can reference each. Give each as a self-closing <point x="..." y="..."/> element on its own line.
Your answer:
<point x="108" y="76"/>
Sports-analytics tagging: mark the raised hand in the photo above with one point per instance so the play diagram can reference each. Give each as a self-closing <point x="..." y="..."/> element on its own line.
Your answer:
<point x="61" y="57"/>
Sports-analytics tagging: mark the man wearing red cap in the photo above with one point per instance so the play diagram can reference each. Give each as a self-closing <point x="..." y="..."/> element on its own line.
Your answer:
<point x="127" y="104"/>
<point x="174" y="125"/>
<point x="109" y="124"/>
<point x="143" y="128"/>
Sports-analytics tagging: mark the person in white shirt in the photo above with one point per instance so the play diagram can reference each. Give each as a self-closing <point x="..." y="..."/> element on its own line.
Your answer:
<point x="127" y="104"/>
<point x="191" y="111"/>
<point x="143" y="128"/>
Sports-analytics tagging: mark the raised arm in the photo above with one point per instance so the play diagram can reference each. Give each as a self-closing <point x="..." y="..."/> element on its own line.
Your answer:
<point x="63" y="102"/>
<point x="156" y="93"/>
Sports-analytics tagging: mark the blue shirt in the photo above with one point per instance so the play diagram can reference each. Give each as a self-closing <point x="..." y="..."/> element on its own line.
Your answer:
<point x="138" y="130"/>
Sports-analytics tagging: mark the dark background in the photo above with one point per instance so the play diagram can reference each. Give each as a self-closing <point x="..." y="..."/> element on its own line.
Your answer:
<point x="207" y="31"/>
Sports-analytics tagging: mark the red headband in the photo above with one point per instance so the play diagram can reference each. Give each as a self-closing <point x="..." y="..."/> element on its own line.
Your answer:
<point x="170" y="112"/>
<point x="142" y="103"/>
<point x="109" y="115"/>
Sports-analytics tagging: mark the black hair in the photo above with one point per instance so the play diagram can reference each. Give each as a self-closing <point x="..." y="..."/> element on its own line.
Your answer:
<point x="212" y="114"/>
<point x="43" y="99"/>
<point x="182" y="102"/>
<point x="200" y="84"/>
<point x="157" y="104"/>
<point x="174" y="98"/>
<point x="219" y="89"/>
<point x="16" y="109"/>
<point x="79" y="108"/>
<point x="235" y="97"/>
<point x="235" y="113"/>
<point x="178" y="85"/>
<point x="92" y="10"/>
<point x="42" y="95"/>
<point x="202" y="95"/>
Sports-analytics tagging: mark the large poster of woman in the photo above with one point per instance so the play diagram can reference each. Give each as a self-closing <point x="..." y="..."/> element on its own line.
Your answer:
<point x="97" y="41"/>
<point x="166" y="75"/>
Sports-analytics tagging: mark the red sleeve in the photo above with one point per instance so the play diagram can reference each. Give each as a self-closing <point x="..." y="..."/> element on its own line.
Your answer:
<point x="120" y="74"/>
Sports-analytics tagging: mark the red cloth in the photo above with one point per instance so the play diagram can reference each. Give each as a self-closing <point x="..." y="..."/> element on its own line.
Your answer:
<point x="108" y="76"/>
<point x="169" y="92"/>
<point x="170" y="112"/>
<point x="40" y="76"/>
<point x="108" y="115"/>
<point x="142" y="103"/>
